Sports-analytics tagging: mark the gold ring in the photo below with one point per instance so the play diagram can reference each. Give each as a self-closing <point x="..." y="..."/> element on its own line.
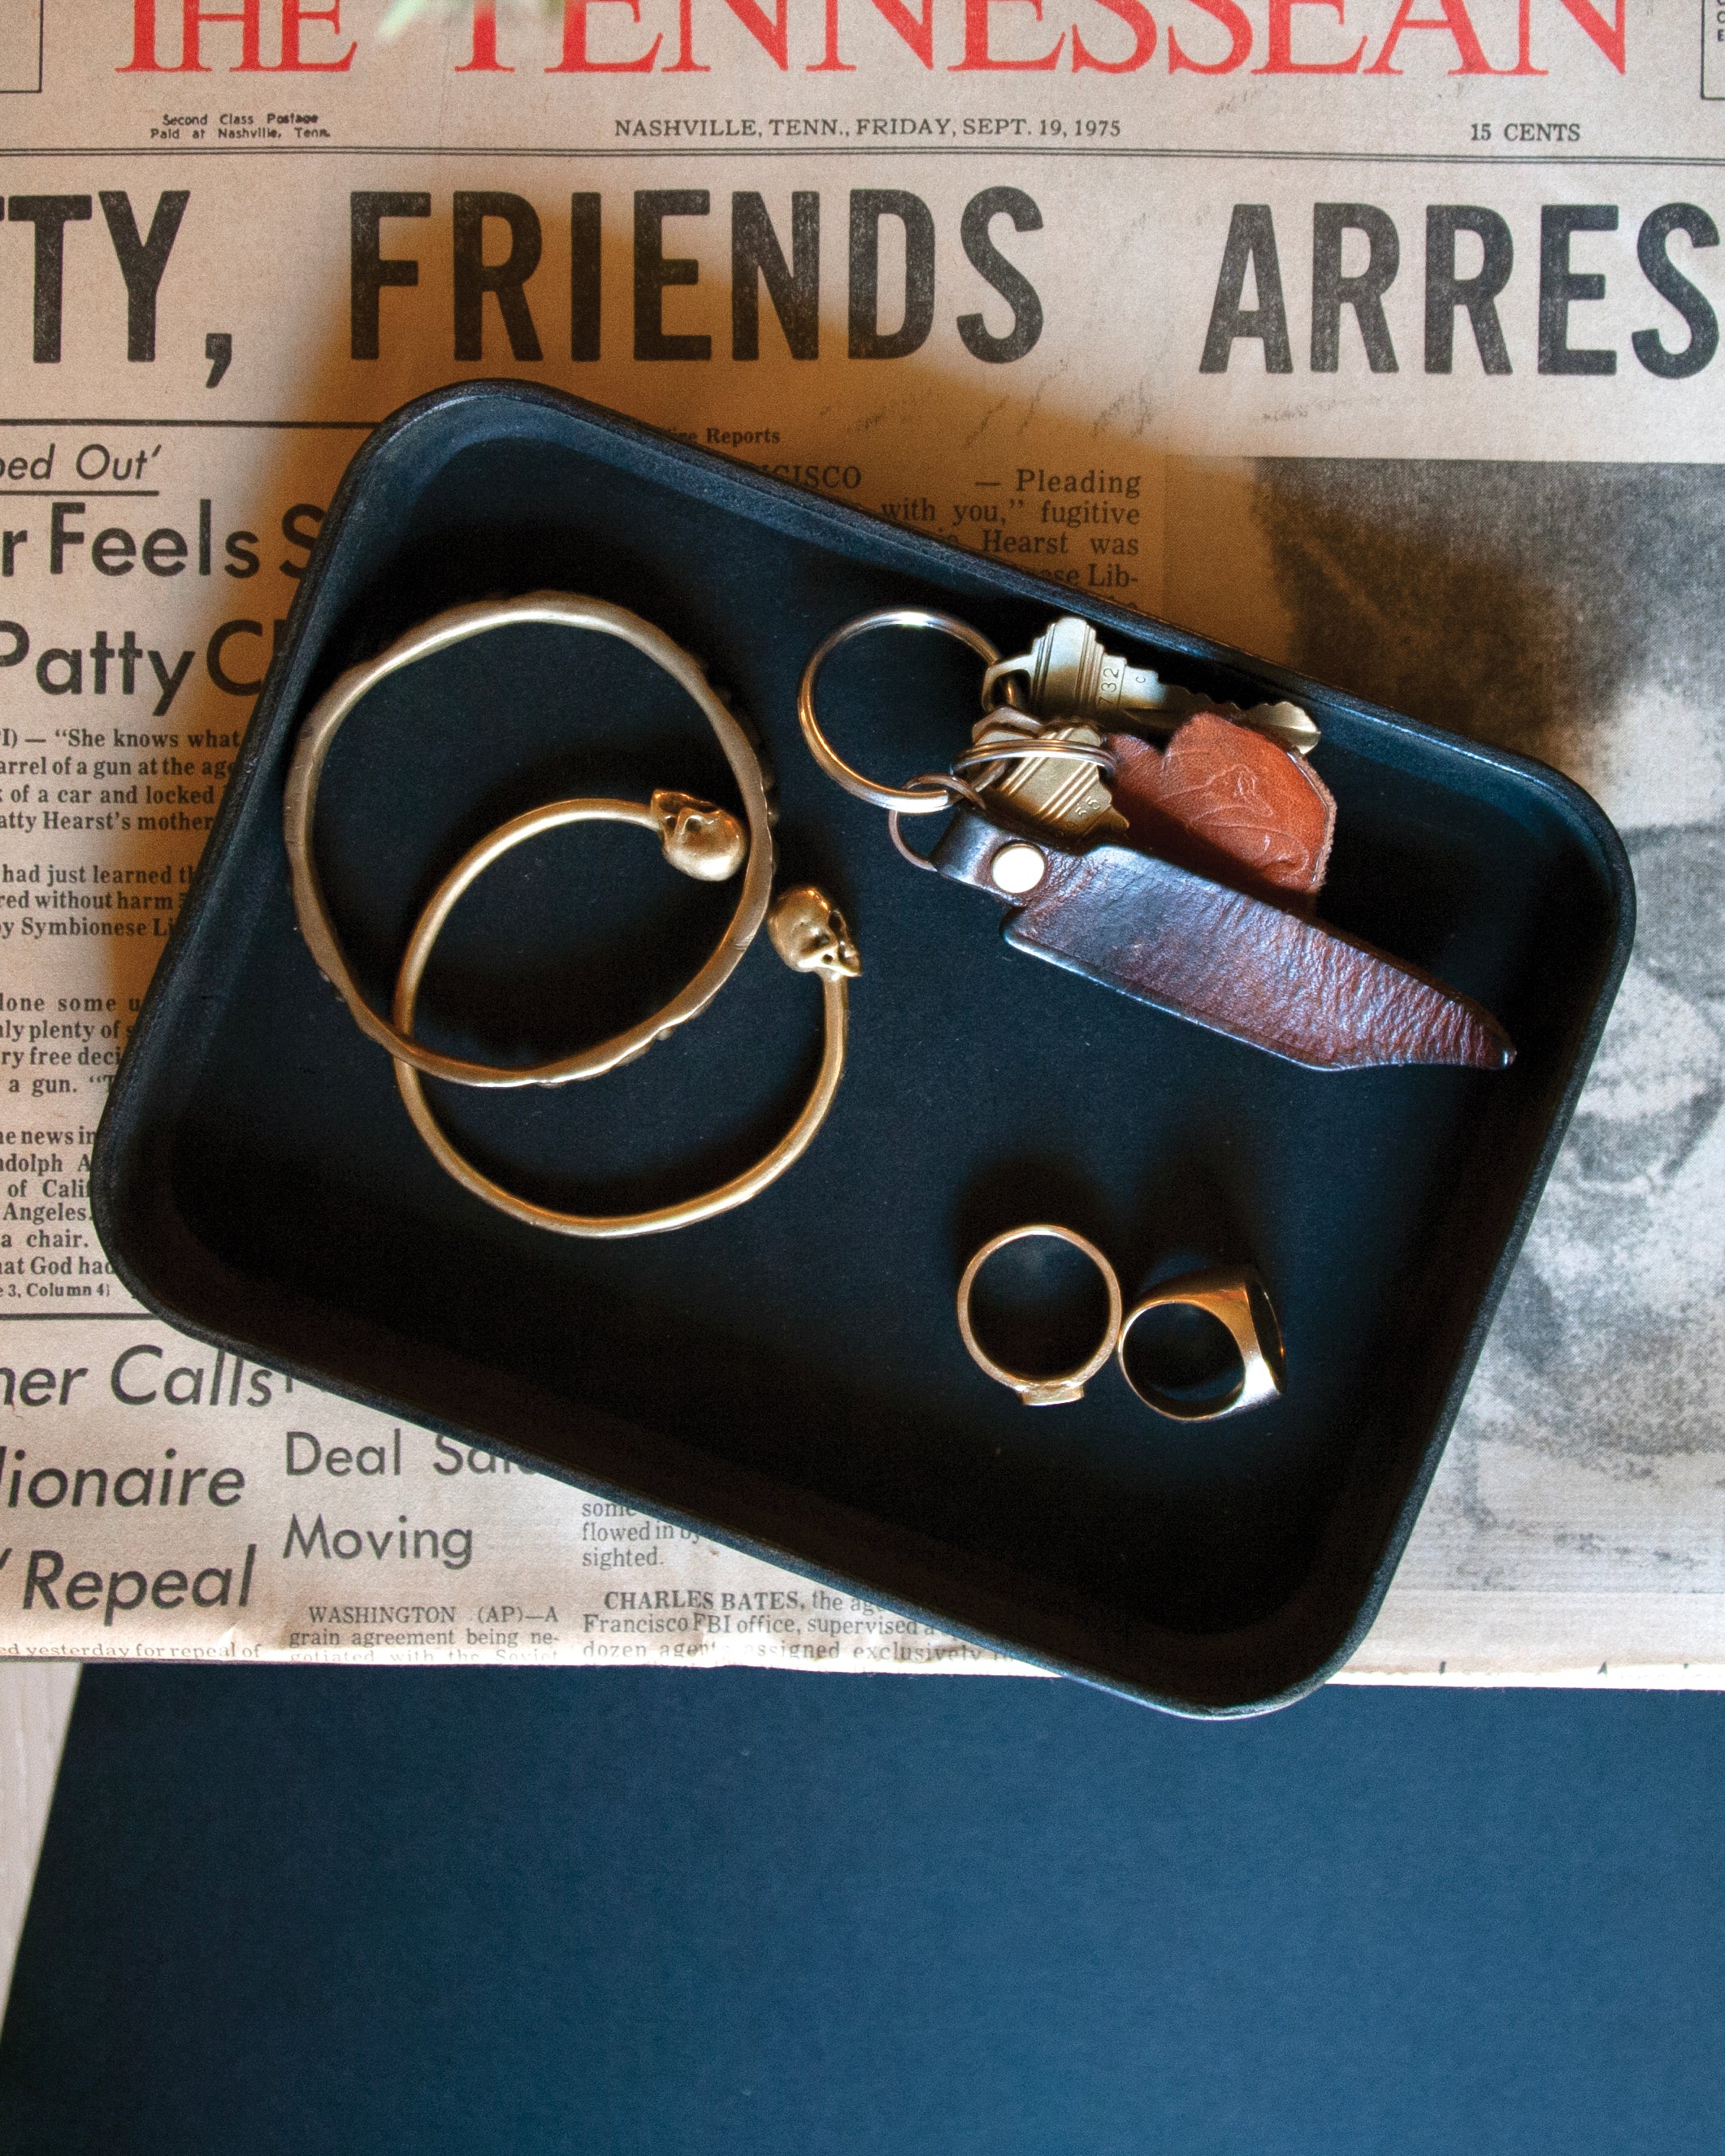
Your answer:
<point x="808" y="932"/>
<point x="1237" y="1298"/>
<point x="921" y="798"/>
<point x="1065" y="1385"/>
<point x="563" y="610"/>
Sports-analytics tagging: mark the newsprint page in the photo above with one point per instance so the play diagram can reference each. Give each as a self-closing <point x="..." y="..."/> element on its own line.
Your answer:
<point x="1380" y="336"/>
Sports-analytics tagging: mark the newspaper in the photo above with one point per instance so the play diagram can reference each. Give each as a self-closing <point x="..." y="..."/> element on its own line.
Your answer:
<point x="1375" y="336"/>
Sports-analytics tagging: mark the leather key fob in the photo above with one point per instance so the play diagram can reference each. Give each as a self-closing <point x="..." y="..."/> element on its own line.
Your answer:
<point x="1229" y="803"/>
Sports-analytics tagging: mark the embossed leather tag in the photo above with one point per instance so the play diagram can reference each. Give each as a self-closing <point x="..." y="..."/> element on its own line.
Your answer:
<point x="1229" y="803"/>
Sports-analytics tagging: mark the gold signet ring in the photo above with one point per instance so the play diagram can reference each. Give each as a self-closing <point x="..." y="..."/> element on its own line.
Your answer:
<point x="1063" y="1386"/>
<point x="1236" y="1298"/>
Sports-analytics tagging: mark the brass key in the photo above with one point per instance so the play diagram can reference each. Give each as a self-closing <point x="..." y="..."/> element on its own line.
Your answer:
<point x="1063" y="789"/>
<point x="1067" y="674"/>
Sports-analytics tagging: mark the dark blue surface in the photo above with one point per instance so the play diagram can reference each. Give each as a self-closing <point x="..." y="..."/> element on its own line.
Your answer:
<point x="735" y="1914"/>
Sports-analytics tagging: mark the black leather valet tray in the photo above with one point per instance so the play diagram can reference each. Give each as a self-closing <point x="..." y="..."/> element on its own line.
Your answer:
<point x="790" y="1377"/>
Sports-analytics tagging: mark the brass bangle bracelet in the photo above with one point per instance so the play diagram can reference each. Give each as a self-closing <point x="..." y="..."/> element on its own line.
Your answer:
<point x="1238" y="1300"/>
<point x="563" y="610"/>
<point x="921" y="798"/>
<point x="808" y="933"/>
<point x="1063" y="1386"/>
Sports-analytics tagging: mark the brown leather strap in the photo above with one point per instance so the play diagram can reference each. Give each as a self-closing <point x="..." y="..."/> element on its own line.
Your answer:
<point x="1225" y="960"/>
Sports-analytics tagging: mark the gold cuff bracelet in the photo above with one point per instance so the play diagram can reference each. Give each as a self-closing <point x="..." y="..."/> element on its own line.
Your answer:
<point x="807" y="931"/>
<point x="563" y="610"/>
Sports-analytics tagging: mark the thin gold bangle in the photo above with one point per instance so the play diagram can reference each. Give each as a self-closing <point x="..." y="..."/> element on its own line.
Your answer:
<point x="806" y="931"/>
<point x="564" y="610"/>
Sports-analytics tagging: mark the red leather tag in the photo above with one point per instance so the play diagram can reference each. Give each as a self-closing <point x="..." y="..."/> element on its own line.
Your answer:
<point x="1229" y="803"/>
